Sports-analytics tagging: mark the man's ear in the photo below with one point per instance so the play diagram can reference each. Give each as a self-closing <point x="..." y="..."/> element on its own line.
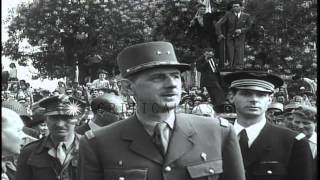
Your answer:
<point x="271" y="97"/>
<point x="232" y="97"/>
<point x="127" y="87"/>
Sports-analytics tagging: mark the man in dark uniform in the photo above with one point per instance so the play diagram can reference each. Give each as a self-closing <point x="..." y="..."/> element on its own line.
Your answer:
<point x="53" y="157"/>
<point x="269" y="152"/>
<point x="210" y="78"/>
<point x="156" y="143"/>
<point x="107" y="108"/>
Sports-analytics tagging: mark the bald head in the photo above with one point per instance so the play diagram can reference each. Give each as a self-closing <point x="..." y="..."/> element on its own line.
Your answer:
<point x="12" y="134"/>
<point x="9" y="117"/>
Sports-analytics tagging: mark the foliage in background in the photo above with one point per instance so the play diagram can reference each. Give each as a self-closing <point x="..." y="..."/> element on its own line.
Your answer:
<point x="93" y="32"/>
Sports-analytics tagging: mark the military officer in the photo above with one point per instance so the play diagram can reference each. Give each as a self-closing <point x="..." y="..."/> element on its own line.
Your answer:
<point x="269" y="152"/>
<point x="53" y="157"/>
<point x="156" y="143"/>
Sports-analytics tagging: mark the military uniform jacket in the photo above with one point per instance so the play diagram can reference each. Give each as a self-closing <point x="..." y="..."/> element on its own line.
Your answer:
<point x="35" y="163"/>
<point x="200" y="148"/>
<point x="278" y="154"/>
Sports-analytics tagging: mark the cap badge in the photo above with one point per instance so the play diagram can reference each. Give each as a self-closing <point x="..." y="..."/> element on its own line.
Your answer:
<point x="73" y="108"/>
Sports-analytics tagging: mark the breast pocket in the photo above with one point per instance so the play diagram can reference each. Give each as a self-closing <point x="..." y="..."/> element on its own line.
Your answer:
<point x="206" y="170"/>
<point x="269" y="168"/>
<point x="125" y="174"/>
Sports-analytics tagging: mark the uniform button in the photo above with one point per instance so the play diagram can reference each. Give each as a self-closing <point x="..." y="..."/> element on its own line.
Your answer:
<point x="269" y="172"/>
<point x="211" y="171"/>
<point x="167" y="169"/>
<point x="58" y="177"/>
<point x="121" y="178"/>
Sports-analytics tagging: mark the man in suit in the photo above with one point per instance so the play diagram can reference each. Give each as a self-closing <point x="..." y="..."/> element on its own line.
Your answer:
<point x="210" y="78"/>
<point x="107" y="109"/>
<point x="202" y="28"/>
<point x="237" y="24"/>
<point x="269" y="152"/>
<point x="54" y="157"/>
<point x="156" y="143"/>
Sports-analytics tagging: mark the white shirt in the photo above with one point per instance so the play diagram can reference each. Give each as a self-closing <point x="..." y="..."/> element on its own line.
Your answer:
<point x="238" y="14"/>
<point x="313" y="144"/>
<point x="101" y="84"/>
<point x="252" y="131"/>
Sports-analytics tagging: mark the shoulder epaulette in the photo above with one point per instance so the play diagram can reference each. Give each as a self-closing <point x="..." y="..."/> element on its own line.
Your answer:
<point x="89" y="134"/>
<point x="223" y="122"/>
<point x="300" y="136"/>
<point x="30" y="144"/>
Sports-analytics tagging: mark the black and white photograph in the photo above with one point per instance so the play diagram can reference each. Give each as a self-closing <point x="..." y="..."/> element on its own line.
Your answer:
<point x="159" y="89"/>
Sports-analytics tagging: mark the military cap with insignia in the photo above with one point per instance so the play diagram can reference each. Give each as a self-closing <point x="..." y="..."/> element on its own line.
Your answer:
<point x="148" y="55"/>
<point x="253" y="80"/>
<point x="62" y="105"/>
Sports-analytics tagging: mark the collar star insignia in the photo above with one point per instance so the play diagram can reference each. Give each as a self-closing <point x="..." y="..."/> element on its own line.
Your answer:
<point x="73" y="109"/>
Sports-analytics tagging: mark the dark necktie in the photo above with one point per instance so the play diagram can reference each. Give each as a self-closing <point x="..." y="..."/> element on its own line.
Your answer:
<point x="243" y="141"/>
<point x="161" y="137"/>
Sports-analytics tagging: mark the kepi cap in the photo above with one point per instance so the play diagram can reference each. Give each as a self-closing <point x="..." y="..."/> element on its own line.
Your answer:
<point x="253" y="80"/>
<point x="146" y="56"/>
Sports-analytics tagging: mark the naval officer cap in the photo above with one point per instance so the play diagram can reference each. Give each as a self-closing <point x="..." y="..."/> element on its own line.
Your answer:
<point x="253" y="80"/>
<point x="62" y="105"/>
<point x="148" y="55"/>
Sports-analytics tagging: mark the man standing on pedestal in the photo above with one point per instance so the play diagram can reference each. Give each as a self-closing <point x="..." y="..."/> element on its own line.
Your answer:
<point x="237" y="24"/>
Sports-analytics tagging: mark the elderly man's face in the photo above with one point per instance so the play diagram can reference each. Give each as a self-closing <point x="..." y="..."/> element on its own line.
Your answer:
<point x="12" y="134"/>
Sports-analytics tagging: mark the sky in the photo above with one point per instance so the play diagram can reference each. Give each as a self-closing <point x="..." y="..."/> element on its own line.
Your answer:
<point x="23" y="72"/>
<point x="6" y="5"/>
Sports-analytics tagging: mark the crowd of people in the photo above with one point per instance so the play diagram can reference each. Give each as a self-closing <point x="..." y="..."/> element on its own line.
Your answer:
<point x="74" y="110"/>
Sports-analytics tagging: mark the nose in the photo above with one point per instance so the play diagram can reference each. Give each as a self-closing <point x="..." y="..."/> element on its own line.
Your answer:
<point x="253" y="98"/>
<point x="171" y="82"/>
<point x="59" y="122"/>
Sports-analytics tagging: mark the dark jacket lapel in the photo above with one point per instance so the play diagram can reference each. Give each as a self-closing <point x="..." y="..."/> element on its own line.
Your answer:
<point x="141" y="142"/>
<point x="40" y="157"/>
<point x="260" y="146"/>
<point x="181" y="140"/>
